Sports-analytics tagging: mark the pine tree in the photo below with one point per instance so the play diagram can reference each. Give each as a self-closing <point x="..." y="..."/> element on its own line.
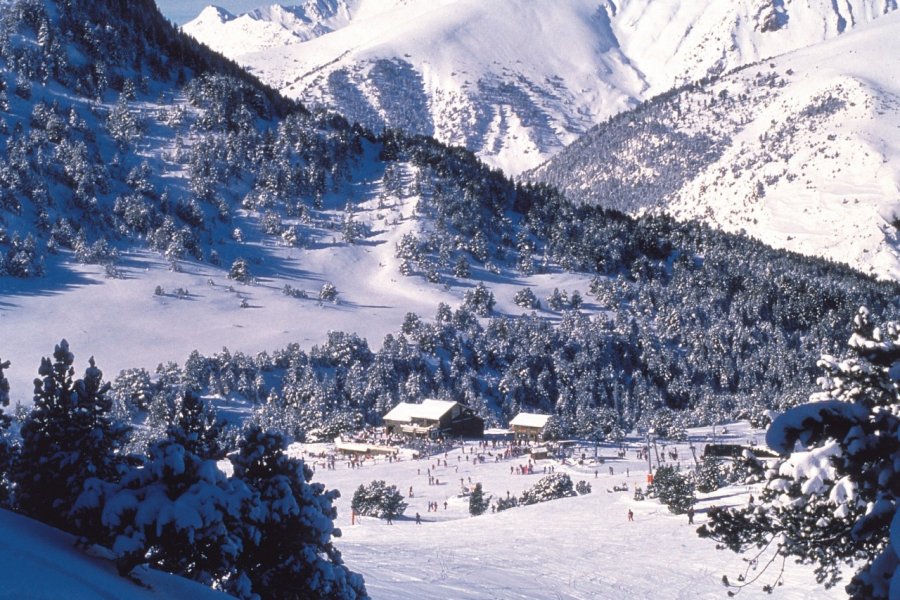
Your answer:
<point x="288" y="551"/>
<point x="378" y="500"/>
<point x="477" y="502"/>
<point x="461" y="268"/>
<point x="711" y="475"/>
<point x="831" y="499"/>
<point x="177" y="511"/>
<point x="240" y="271"/>
<point x="551" y="487"/>
<point x="68" y="438"/>
<point x="195" y="425"/>
<point x="8" y="448"/>
<point x="673" y="489"/>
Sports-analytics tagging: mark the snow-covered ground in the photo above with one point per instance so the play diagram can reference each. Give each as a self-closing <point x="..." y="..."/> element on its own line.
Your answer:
<point x="39" y="562"/>
<point x="575" y="548"/>
<point x="124" y="324"/>
<point x="832" y="181"/>
<point x="580" y="548"/>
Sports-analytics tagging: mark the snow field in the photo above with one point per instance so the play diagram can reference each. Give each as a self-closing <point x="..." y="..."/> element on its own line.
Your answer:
<point x="576" y="548"/>
<point x="124" y="324"/>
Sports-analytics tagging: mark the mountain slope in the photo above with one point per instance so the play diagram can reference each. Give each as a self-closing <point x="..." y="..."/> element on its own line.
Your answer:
<point x="501" y="78"/>
<point x="173" y="204"/>
<point x="802" y="152"/>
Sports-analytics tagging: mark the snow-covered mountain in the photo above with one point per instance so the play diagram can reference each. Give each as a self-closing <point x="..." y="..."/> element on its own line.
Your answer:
<point x="801" y="151"/>
<point x="270" y="26"/>
<point x="512" y="80"/>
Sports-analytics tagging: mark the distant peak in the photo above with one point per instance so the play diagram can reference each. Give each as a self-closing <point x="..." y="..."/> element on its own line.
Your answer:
<point x="215" y="13"/>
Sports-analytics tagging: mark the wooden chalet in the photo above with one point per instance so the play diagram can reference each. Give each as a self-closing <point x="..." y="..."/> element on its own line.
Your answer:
<point x="434" y="418"/>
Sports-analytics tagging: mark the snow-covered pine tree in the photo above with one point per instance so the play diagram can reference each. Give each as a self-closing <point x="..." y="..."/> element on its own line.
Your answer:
<point x="526" y="299"/>
<point x="477" y="502"/>
<point x="178" y="512"/>
<point x="378" y="500"/>
<point x="551" y="487"/>
<point x="8" y="448"/>
<point x="711" y="475"/>
<point x="831" y="499"/>
<point x="240" y="271"/>
<point x="197" y="428"/>
<point x="68" y="438"/>
<point x="673" y="489"/>
<point x="287" y="547"/>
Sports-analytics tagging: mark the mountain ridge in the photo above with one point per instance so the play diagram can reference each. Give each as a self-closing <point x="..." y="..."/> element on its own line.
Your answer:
<point x="468" y="79"/>
<point x="801" y="151"/>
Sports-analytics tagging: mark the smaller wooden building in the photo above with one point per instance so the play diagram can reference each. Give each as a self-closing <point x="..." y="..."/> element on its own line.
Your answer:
<point x="529" y="426"/>
<point x="362" y="449"/>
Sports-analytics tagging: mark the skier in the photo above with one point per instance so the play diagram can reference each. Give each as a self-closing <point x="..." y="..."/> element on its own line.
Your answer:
<point x="690" y="514"/>
<point x="418" y="519"/>
<point x="630" y="515"/>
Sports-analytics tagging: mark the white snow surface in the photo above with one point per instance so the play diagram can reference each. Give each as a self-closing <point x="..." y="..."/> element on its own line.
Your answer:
<point x="512" y="80"/>
<point x="581" y="548"/>
<point x="39" y="562"/>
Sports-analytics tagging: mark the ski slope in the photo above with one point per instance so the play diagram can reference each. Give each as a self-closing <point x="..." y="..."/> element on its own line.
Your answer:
<point x="581" y="548"/>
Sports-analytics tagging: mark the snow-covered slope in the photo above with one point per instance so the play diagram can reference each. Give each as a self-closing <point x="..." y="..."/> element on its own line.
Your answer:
<point x="37" y="561"/>
<point x="512" y="80"/>
<point x="802" y="151"/>
<point x="580" y="548"/>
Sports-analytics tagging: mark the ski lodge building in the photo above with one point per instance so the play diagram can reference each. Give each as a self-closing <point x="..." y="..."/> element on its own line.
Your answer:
<point x="434" y="418"/>
<point x="529" y="426"/>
